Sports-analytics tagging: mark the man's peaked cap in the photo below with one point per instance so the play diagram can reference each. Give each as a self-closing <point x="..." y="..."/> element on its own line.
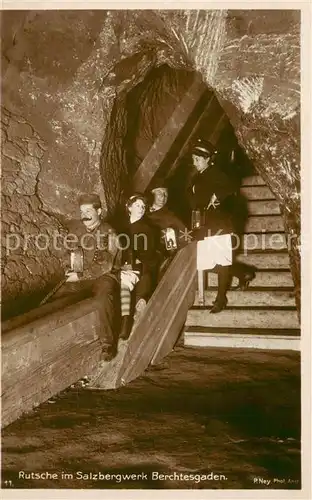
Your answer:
<point x="90" y="199"/>
<point x="203" y="148"/>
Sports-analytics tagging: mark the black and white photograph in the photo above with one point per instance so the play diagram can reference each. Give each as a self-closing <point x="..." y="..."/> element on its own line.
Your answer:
<point x="153" y="254"/>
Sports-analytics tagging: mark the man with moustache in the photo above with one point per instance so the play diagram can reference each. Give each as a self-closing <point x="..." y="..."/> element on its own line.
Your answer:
<point x="102" y="273"/>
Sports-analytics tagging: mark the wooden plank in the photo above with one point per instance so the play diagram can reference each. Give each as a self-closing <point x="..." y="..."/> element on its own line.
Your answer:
<point x="278" y="278"/>
<point x="264" y="242"/>
<point x="267" y="207"/>
<point x="264" y="342"/>
<point x="257" y="193"/>
<point x="68" y="367"/>
<point x="257" y="332"/>
<point x="252" y="298"/>
<point x="18" y="361"/>
<point x="34" y="370"/>
<point x="183" y="150"/>
<point x="269" y="223"/>
<point x="153" y="327"/>
<point x="249" y="318"/>
<point x="167" y="136"/>
<point x="40" y="312"/>
<point x="263" y="260"/>
<point x="219" y="126"/>
<point x="168" y="341"/>
<point x="14" y="338"/>
<point x="253" y="180"/>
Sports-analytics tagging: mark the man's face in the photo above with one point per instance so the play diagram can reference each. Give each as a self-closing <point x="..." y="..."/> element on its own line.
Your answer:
<point x="200" y="163"/>
<point x="160" y="196"/>
<point x="89" y="215"/>
<point x="137" y="209"/>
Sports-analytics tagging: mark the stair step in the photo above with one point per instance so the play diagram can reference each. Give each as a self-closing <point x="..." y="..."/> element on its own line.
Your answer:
<point x="265" y="241"/>
<point x="253" y="180"/>
<point x="257" y="193"/>
<point x="253" y="298"/>
<point x="267" y="278"/>
<point x="247" y="318"/>
<point x="284" y="339"/>
<point x="263" y="207"/>
<point x="206" y="330"/>
<point x="257" y="223"/>
<point x="262" y="260"/>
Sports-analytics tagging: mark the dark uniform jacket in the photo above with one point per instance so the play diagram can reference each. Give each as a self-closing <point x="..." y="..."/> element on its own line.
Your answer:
<point x="200" y="190"/>
<point x="101" y="253"/>
<point x="165" y="218"/>
<point x="144" y="241"/>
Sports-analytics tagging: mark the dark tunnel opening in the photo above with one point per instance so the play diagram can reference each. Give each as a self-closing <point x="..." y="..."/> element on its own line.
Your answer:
<point x="138" y="124"/>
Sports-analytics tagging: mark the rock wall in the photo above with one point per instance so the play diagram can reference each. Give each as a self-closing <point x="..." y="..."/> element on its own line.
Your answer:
<point x="258" y="84"/>
<point x="29" y="260"/>
<point x="89" y="60"/>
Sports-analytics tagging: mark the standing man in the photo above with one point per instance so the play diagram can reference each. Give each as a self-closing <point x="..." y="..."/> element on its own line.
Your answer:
<point x="216" y="196"/>
<point x="102" y="274"/>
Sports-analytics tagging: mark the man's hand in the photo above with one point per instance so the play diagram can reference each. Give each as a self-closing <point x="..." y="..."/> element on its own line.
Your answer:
<point x="214" y="202"/>
<point x="129" y="279"/>
<point x="71" y="276"/>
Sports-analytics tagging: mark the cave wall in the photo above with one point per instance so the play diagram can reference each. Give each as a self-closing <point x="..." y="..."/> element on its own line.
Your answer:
<point x="65" y="71"/>
<point x="29" y="259"/>
<point x="258" y="85"/>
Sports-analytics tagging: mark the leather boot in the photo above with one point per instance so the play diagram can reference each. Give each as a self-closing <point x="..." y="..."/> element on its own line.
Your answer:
<point x="126" y="323"/>
<point x="244" y="273"/>
<point x="224" y="280"/>
<point x="218" y="305"/>
<point x="108" y="352"/>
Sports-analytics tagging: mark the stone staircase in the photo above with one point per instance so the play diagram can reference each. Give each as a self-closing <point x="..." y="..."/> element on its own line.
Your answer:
<point x="264" y="316"/>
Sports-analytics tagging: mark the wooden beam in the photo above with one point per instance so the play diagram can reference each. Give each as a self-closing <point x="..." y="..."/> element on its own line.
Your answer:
<point x="47" y="355"/>
<point x="221" y="123"/>
<point x="174" y="326"/>
<point x="40" y="312"/>
<point x="192" y="134"/>
<point x="167" y="136"/>
<point x="165" y="315"/>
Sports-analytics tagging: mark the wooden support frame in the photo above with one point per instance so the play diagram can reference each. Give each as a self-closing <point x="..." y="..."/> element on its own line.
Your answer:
<point x="168" y="134"/>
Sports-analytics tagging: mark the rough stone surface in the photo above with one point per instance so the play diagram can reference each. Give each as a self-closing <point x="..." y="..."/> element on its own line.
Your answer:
<point x="28" y="265"/>
<point x="73" y="90"/>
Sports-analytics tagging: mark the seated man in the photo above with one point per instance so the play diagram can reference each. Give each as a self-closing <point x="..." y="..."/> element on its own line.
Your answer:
<point x="102" y="274"/>
<point x="163" y="218"/>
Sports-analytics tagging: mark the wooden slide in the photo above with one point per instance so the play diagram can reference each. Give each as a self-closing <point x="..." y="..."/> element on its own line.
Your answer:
<point x="50" y="348"/>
